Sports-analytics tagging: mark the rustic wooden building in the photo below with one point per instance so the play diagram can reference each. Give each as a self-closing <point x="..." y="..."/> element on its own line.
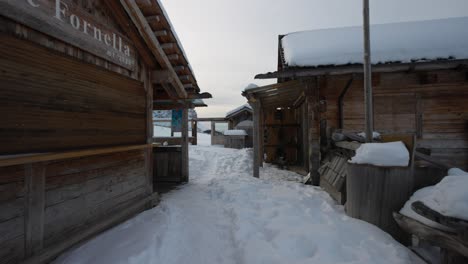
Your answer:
<point x="79" y="81"/>
<point x="241" y="118"/>
<point x="420" y="82"/>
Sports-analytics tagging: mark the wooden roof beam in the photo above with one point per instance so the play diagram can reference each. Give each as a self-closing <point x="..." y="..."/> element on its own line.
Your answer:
<point x="173" y="57"/>
<point x="154" y="19"/>
<point x="179" y="68"/>
<point x="147" y="34"/>
<point x="161" y="33"/>
<point x="167" y="46"/>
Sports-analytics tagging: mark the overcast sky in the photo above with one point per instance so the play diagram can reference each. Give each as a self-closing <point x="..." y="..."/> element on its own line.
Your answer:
<point x="229" y="41"/>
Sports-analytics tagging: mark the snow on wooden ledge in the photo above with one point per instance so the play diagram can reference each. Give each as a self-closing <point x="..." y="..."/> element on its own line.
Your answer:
<point x="449" y="197"/>
<point x="392" y="154"/>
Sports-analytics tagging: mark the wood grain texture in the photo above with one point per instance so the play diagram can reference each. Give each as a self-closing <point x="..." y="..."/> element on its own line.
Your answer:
<point x="66" y="104"/>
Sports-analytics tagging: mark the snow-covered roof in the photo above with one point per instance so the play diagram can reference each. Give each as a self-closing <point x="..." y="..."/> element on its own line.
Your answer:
<point x="239" y="109"/>
<point x="251" y="86"/>
<point x="235" y="132"/>
<point x="397" y="42"/>
<point x="245" y="123"/>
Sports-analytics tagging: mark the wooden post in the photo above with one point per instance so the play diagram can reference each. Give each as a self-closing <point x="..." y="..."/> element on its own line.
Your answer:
<point x="185" y="146"/>
<point x="368" y="75"/>
<point x="194" y="133"/>
<point x="260" y="135"/>
<point x="149" y="128"/>
<point x="256" y="138"/>
<point x="305" y="138"/>
<point x="313" y="132"/>
<point x="34" y="208"/>
<point x="213" y="127"/>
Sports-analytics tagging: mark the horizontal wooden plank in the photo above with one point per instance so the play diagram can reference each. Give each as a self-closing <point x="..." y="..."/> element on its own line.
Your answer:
<point x="11" y="209"/>
<point x="64" y="104"/>
<point x="11" y="229"/>
<point x="12" y="251"/>
<point x="32" y="158"/>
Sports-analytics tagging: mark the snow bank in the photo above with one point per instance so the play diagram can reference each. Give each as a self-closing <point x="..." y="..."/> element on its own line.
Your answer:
<point x="225" y="216"/>
<point x="235" y="132"/>
<point x="449" y="197"/>
<point x="382" y="154"/>
<point x="457" y="172"/>
<point x="397" y="42"/>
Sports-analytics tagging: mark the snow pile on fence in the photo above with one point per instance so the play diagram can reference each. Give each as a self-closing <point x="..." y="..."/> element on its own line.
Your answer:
<point x="449" y="197"/>
<point x="382" y="154"/>
<point x="397" y="42"/>
<point x="235" y="132"/>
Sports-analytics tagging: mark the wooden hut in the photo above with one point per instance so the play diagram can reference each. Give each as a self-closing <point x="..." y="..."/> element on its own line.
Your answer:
<point x="420" y="83"/>
<point x="80" y="80"/>
<point x="241" y="118"/>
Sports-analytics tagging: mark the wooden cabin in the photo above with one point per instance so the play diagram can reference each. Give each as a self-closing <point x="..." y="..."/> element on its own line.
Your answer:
<point x="420" y="85"/>
<point x="79" y="81"/>
<point x="240" y="118"/>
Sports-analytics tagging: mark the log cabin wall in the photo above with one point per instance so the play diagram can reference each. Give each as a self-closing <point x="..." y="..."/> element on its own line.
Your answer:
<point x="59" y="98"/>
<point x="431" y="104"/>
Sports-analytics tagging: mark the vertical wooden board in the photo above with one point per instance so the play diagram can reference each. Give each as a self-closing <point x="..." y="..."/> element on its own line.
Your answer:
<point x="34" y="208"/>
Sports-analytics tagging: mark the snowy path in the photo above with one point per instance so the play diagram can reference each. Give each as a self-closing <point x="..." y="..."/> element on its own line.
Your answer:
<point x="225" y="216"/>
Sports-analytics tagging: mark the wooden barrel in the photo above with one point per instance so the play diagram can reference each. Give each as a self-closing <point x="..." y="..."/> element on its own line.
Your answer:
<point x="374" y="193"/>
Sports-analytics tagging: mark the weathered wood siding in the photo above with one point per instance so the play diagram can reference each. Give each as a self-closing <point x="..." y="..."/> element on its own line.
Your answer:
<point x="432" y="105"/>
<point x="56" y="96"/>
<point x="167" y="165"/>
<point x="77" y="193"/>
<point x="63" y="103"/>
<point x="12" y="200"/>
<point x="80" y="192"/>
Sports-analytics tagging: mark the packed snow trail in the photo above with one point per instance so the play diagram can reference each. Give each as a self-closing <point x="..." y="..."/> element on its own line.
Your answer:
<point x="224" y="215"/>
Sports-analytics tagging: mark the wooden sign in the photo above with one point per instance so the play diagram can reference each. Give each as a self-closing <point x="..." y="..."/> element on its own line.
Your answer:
<point x="68" y="22"/>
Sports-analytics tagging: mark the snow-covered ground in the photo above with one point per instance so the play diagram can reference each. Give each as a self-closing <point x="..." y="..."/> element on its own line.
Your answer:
<point x="224" y="215"/>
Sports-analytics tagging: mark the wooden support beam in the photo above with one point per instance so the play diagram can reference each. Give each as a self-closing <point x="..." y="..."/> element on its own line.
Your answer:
<point x="185" y="146"/>
<point x="184" y="77"/>
<point x="194" y="133"/>
<point x="162" y="76"/>
<point x="154" y="19"/>
<point x="160" y="33"/>
<point x="34" y="208"/>
<point x="189" y="86"/>
<point x="179" y="68"/>
<point x="173" y="57"/>
<point x="313" y="134"/>
<point x="152" y="42"/>
<point x="167" y="46"/>
<point x="213" y="127"/>
<point x="256" y="138"/>
<point x="149" y="128"/>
